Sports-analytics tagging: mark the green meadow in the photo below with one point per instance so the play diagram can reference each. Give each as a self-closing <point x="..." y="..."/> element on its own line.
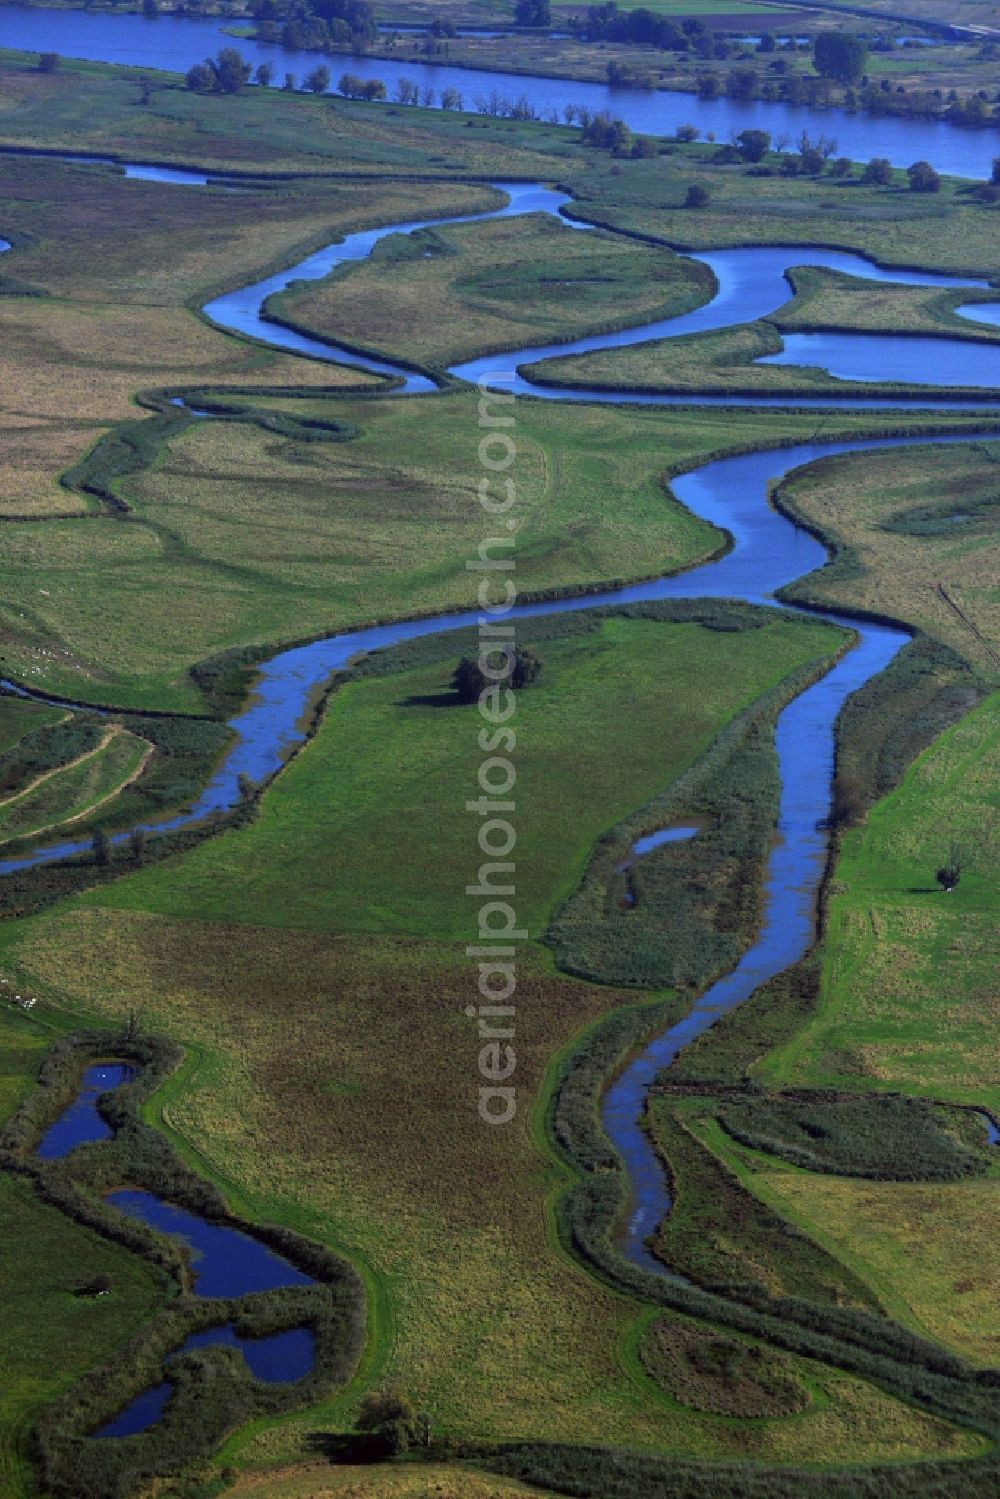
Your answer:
<point x="908" y="988"/>
<point x="341" y="855"/>
<point x="239" y="537"/>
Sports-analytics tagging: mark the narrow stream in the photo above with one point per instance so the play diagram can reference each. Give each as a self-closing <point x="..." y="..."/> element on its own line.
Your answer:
<point x="767" y="552"/>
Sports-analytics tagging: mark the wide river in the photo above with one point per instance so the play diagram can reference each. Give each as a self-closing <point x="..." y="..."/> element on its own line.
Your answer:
<point x="767" y="552"/>
<point x="175" y="43"/>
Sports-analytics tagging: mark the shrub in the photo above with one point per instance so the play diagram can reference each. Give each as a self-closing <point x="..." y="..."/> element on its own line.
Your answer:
<point x="923" y="178"/>
<point x="878" y="172"/>
<point x="698" y="196"/>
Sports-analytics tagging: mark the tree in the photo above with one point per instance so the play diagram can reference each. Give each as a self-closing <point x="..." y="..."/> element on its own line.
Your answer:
<point x="923" y="178"/>
<point x="200" y="79"/>
<point x="101" y="845"/>
<point x="697" y="196"/>
<point x="878" y="172"/>
<point x="754" y="144"/>
<point x="137" y="845"/>
<point x="264" y="75"/>
<point x="950" y="872"/>
<point x="840" y="55"/>
<point x="451" y="99"/>
<point x="318" y="80"/>
<point x="390" y="1417"/>
<point x="289" y="83"/>
<point x="527" y="668"/>
<point x="842" y="166"/>
<point x="995" y="174"/>
<point x="48" y="62"/>
<point x="532" y="13"/>
<point x="467" y="680"/>
<point x="373" y="88"/>
<point x="231" y="71"/>
<point x="688" y="132"/>
<point x="151" y="9"/>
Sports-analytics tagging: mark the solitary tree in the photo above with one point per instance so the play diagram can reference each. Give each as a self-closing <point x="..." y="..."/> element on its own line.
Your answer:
<point x="840" y="55"/>
<point x="389" y="1416"/>
<point x="264" y="76"/>
<point x="137" y="845"/>
<point x="102" y="848"/>
<point x="950" y="872"/>
<point x="48" y="62"/>
<point x="698" y="196"/>
<point x="469" y="679"/>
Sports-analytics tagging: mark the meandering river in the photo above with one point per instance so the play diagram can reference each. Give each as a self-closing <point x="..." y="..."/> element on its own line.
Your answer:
<point x="767" y="552"/>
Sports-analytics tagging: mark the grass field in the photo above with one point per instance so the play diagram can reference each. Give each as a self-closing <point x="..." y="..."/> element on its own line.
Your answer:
<point x="52" y="1335"/>
<point x="829" y="299"/>
<point x="380" y="1481"/>
<point x="313" y="962"/>
<point x="718" y="1233"/>
<point x="658" y="692"/>
<point x="943" y="231"/>
<point x="292" y="1107"/>
<point x="929" y="1252"/>
<point x="18" y="717"/>
<point x="919" y="534"/>
<point x="66" y="794"/>
<point x="702" y="364"/>
<point x="446" y="294"/>
<point x="713" y="363"/>
<point x="908" y="995"/>
<point x="247" y="539"/>
<point x="85" y="107"/>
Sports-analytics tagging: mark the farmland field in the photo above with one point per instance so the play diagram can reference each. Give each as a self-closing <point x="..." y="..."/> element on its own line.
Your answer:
<point x="702" y="876"/>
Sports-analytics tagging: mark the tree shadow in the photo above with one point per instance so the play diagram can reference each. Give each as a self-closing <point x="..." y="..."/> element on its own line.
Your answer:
<point x="432" y="700"/>
<point x="347" y="1447"/>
